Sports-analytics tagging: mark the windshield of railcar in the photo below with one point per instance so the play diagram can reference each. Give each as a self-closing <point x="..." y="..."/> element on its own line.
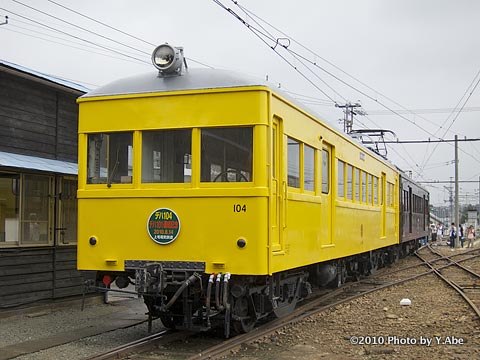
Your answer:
<point x="167" y="156"/>
<point x="226" y="155"/>
<point x="110" y="158"/>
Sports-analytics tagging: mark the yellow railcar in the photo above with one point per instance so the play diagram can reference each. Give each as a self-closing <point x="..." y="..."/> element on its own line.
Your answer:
<point x="221" y="199"/>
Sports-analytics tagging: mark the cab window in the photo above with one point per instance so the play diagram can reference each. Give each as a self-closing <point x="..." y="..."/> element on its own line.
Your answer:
<point x="110" y="158"/>
<point x="226" y="154"/>
<point x="166" y="156"/>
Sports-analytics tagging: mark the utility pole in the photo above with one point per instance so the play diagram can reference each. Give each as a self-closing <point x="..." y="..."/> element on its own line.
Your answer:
<point x="450" y="200"/>
<point x="349" y="111"/>
<point x="457" y="219"/>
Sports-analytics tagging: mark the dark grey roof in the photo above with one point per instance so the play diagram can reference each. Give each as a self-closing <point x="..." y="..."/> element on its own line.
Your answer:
<point x="50" y="78"/>
<point x="193" y="79"/>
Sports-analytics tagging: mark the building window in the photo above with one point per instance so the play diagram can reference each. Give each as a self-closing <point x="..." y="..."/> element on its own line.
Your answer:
<point x="357" y="184"/>
<point x="110" y="158"/>
<point x="325" y="171"/>
<point x="68" y="211"/>
<point x="9" y="209"/>
<point x="28" y="216"/>
<point x="227" y="154"/>
<point x="293" y="163"/>
<point x="35" y="209"/>
<point x="166" y="156"/>
<point x="341" y="179"/>
<point x="349" y="182"/>
<point x="309" y="168"/>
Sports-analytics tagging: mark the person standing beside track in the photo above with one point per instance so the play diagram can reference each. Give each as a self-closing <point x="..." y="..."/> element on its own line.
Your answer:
<point x="453" y="235"/>
<point x="462" y="239"/>
<point x="470" y="236"/>
<point x="439" y="232"/>
<point x="433" y="229"/>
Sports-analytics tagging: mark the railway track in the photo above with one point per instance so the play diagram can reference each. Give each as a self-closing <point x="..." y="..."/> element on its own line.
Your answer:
<point x="195" y="346"/>
<point x="461" y="278"/>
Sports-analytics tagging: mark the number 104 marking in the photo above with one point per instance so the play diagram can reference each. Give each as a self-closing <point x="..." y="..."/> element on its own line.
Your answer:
<point x="239" y="208"/>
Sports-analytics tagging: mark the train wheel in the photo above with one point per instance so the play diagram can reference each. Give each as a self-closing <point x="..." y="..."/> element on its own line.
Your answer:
<point x="340" y="278"/>
<point x="373" y="264"/>
<point x="285" y="307"/>
<point x="246" y="320"/>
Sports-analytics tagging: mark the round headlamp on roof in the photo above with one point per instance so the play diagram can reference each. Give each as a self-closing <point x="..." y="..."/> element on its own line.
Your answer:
<point x="168" y="59"/>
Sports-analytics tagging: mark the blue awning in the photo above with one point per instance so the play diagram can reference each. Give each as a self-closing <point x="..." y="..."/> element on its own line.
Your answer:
<point x="37" y="163"/>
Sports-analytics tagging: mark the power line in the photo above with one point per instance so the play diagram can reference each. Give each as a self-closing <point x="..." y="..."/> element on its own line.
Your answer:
<point x="429" y="141"/>
<point x="277" y="43"/>
<point x="70" y="46"/>
<point x="422" y="111"/>
<point x="448" y="182"/>
<point x="48" y="31"/>
<point x="102" y="23"/>
<point x="95" y="33"/>
<point x="75" y="37"/>
<point x="121" y="31"/>
<point x="80" y="27"/>
<point x="458" y="113"/>
<point x="336" y="67"/>
<point x="259" y="34"/>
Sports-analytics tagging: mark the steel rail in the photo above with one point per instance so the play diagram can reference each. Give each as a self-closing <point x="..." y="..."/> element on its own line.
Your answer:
<point x="134" y="345"/>
<point x="362" y="287"/>
<point x="467" y="252"/>
<point x="457" y="263"/>
<point x="452" y="284"/>
<point x="305" y="311"/>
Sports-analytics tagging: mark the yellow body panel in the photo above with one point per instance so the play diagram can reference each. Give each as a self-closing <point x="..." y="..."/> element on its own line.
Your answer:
<point x="283" y="227"/>
<point x="209" y="230"/>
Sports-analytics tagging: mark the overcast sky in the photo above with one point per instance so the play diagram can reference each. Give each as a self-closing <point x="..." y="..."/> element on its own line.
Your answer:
<point x="422" y="54"/>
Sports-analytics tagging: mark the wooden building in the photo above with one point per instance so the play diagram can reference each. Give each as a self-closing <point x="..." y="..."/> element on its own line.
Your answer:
<point x="38" y="183"/>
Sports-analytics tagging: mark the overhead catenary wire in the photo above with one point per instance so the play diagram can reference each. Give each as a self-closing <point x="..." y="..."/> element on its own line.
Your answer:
<point x="257" y="33"/>
<point x="342" y="81"/>
<point x="297" y="55"/>
<point x="332" y="64"/>
<point x="458" y="113"/>
<point x="424" y="111"/>
<point x="276" y="43"/>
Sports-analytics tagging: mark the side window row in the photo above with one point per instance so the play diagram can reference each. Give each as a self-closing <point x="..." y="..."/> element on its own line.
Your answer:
<point x="296" y="151"/>
<point x="357" y="185"/>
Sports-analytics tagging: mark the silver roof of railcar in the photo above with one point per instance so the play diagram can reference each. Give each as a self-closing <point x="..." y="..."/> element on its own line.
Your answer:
<point x="193" y="79"/>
